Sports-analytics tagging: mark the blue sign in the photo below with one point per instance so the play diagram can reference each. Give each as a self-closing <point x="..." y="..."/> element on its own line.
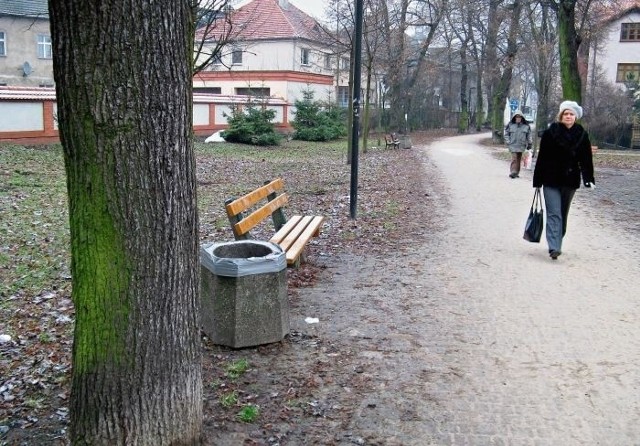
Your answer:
<point x="513" y="104"/>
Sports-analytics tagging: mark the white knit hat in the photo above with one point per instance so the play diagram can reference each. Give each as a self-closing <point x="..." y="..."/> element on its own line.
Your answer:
<point x="573" y="106"/>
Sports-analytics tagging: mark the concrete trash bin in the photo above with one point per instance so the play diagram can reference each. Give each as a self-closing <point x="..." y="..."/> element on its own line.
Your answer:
<point x="243" y="290"/>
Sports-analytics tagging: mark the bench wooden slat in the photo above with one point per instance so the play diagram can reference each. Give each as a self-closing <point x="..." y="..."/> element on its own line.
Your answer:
<point x="246" y="201"/>
<point x="284" y="231"/>
<point x="312" y="230"/>
<point x="260" y="214"/>
<point x="294" y="232"/>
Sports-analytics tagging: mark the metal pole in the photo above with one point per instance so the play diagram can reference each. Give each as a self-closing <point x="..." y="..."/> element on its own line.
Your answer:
<point x="357" y="69"/>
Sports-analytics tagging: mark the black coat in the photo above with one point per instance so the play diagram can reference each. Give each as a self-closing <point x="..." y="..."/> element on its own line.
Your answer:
<point x="564" y="155"/>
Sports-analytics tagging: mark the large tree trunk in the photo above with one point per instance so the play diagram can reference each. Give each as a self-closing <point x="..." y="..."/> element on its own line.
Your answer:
<point x="463" y="119"/>
<point x="123" y="84"/>
<point x="568" y="43"/>
<point x="502" y="89"/>
<point x="543" y="52"/>
<point x="492" y="67"/>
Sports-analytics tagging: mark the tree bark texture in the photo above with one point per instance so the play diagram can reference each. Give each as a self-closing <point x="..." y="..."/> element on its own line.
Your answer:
<point x="502" y="89"/>
<point x="492" y="71"/>
<point x="568" y="43"/>
<point x="123" y="82"/>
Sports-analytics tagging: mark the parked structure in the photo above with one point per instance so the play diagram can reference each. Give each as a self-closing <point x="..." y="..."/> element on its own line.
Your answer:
<point x="618" y="51"/>
<point x="25" y="44"/>
<point x="617" y="54"/>
<point x="279" y="51"/>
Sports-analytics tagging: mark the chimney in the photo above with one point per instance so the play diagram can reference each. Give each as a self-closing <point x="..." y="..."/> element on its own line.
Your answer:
<point x="284" y="4"/>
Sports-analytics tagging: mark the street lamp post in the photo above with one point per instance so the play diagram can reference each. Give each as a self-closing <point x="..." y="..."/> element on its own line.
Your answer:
<point x="471" y="106"/>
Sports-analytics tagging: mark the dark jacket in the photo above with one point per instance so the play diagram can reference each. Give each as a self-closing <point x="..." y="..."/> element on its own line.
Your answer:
<point x="564" y="155"/>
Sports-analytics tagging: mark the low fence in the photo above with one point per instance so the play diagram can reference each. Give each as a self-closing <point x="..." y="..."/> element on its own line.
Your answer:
<point x="28" y="115"/>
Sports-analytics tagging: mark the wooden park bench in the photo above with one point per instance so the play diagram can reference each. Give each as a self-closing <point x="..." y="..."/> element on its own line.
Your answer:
<point x="391" y="141"/>
<point x="292" y="235"/>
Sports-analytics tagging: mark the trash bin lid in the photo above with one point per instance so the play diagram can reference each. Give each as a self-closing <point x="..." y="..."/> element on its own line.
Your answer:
<point x="242" y="258"/>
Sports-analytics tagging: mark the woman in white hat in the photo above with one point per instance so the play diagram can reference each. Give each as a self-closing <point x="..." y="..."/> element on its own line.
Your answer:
<point x="564" y="156"/>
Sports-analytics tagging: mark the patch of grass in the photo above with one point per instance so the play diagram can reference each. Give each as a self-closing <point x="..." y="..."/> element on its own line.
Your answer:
<point x="34" y="254"/>
<point x="237" y="368"/>
<point x="45" y="338"/>
<point x="229" y="399"/>
<point x="389" y="225"/>
<point x="249" y="413"/>
<point x="35" y="403"/>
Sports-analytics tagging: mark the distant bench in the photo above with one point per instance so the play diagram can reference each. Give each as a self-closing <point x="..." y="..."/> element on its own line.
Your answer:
<point x="391" y="140"/>
<point x="292" y="235"/>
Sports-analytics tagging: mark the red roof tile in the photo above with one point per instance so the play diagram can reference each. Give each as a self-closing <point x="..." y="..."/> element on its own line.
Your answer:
<point x="266" y="20"/>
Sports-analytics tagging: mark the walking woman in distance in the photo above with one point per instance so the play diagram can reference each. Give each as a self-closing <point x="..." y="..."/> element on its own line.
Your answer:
<point x="564" y="157"/>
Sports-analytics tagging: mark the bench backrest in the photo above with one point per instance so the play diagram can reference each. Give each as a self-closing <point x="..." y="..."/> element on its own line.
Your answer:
<point x="241" y="224"/>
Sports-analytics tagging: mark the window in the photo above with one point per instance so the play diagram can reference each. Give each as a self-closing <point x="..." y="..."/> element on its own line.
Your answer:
<point x="3" y="44"/>
<point x="630" y="32"/>
<point x="212" y="90"/>
<point x="343" y="96"/>
<point x="217" y="59"/>
<point x="327" y="61"/>
<point x="304" y="56"/>
<point x="254" y="91"/>
<point x="236" y="57"/>
<point x="628" y="72"/>
<point x="44" y="47"/>
<point x="344" y="63"/>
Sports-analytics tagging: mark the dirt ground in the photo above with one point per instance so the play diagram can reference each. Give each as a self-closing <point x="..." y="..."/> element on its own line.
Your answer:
<point x="281" y="378"/>
<point x="309" y="386"/>
<point x="401" y="348"/>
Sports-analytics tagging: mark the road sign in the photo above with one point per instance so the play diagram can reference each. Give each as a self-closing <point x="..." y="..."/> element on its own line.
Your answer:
<point x="513" y="104"/>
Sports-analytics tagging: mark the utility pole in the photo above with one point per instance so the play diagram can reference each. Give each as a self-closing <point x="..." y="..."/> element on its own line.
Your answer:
<point x="355" y="136"/>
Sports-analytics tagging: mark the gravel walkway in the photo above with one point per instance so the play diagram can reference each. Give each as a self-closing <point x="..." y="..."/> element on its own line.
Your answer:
<point x="476" y="336"/>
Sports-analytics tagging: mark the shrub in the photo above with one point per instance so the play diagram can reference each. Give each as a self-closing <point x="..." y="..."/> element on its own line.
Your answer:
<point x="252" y="125"/>
<point x="610" y="115"/>
<point x="316" y="121"/>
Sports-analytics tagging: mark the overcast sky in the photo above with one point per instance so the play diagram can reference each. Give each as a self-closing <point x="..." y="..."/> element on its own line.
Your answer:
<point x="315" y="8"/>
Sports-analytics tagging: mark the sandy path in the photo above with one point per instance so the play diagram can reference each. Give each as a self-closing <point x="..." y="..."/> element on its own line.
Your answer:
<point x="478" y="337"/>
<point x="558" y="342"/>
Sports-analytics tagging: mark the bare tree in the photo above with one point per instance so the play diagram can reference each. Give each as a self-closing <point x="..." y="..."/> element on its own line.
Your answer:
<point x="542" y="57"/>
<point x="576" y="24"/>
<point x="501" y="88"/>
<point x="126" y="130"/>
<point x="460" y="22"/>
<point x="406" y="63"/>
<point x="214" y="31"/>
<point x="492" y="72"/>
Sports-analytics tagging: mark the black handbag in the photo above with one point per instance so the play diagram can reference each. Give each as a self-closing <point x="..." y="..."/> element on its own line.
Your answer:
<point x="535" y="221"/>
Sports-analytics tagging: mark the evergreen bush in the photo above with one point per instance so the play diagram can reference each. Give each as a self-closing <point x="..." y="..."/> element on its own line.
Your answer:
<point x="316" y="121"/>
<point x="252" y="125"/>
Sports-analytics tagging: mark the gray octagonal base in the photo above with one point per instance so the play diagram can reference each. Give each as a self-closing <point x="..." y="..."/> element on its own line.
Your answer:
<point x="245" y="311"/>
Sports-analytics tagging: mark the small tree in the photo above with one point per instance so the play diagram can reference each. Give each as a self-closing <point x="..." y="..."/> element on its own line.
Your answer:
<point x="317" y="122"/>
<point x="252" y="125"/>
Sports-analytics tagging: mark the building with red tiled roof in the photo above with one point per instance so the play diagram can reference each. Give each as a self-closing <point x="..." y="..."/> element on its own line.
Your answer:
<point x="276" y="50"/>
